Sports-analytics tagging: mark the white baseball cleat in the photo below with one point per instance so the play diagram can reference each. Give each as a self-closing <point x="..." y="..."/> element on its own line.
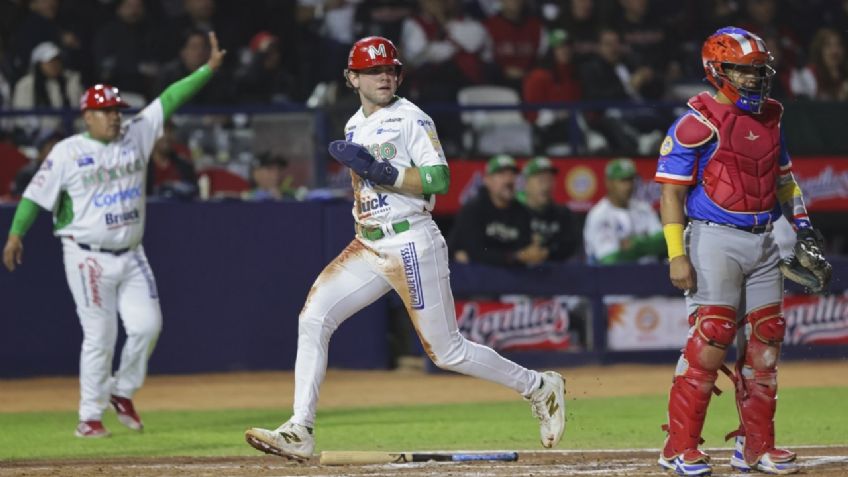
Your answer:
<point x="778" y="462"/>
<point x="127" y="414"/>
<point x="91" y="430"/>
<point x="548" y="404"/>
<point x="290" y="440"/>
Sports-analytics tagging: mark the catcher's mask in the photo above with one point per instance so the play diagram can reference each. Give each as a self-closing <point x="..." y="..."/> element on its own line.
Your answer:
<point x="738" y="63"/>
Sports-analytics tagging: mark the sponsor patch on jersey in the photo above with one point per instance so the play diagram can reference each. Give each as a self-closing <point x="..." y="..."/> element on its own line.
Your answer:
<point x="425" y="122"/>
<point x="46" y="165"/>
<point x="112" y="198"/>
<point x="391" y="120"/>
<point x="412" y="274"/>
<point x="349" y="136"/>
<point x="386" y="130"/>
<point x="666" y="146"/>
<point x="122" y="218"/>
<point x="85" y="161"/>
<point x="373" y="206"/>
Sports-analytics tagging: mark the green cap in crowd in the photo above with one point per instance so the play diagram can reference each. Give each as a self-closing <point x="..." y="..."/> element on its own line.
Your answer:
<point x="499" y="163"/>
<point x="537" y="165"/>
<point x="621" y="168"/>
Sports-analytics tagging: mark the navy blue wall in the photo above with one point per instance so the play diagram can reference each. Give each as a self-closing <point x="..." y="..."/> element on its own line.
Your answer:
<point x="233" y="276"/>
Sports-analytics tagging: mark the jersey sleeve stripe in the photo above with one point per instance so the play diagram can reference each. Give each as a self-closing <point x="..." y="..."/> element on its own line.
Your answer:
<point x="674" y="178"/>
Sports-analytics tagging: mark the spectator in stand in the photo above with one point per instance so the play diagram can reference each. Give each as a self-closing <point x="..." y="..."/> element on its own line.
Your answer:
<point x="128" y="49"/>
<point x="207" y="15"/>
<point x="264" y="79"/>
<point x="494" y="228"/>
<point x="193" y="55"/>
<point x="170" y="174"/>
<point x="518" y="40"/>
<point x="38" y="26"/>
<point x="447" y="51"/>
<point x="329" y="25"/>
<point x="11" y="161"/>
<point x="555" y="80"/>
<point x="48" y="85"/>
<point x="382" y="17"/>
<point x="647" y="46"/>
<point x="825" y="78"/>
<point x="762" y="18"/>
<point x="581" y="22"/>
<point x="269" y="179"/>
<point x="553" y="226"/>
<point x="43" y="144"/>
<point x="619" y="228"/>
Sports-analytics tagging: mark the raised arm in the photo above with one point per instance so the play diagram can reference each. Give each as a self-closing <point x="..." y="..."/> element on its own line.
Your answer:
<point x="183" y="90"/>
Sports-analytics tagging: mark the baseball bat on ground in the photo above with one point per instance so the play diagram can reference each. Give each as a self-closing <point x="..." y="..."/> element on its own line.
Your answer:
<point x="375" y="457"/>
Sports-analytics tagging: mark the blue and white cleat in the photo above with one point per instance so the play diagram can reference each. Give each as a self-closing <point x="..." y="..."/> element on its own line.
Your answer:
<point x="691" y="462"/>
<point x="768" y="463"/>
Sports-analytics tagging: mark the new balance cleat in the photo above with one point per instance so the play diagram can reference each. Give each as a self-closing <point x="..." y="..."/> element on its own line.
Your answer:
<point x="776" y="461"/>
<point x="91" y="430"/>
<point x="126" y="412"/>
<point x="548" y="405"/>
<point x="290" y="440"/>
<point x="691" y="462"/>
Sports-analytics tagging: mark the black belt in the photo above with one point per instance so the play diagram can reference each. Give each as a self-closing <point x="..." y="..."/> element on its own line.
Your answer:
<point x="95" y="248"/>
<point x="754" y="229"/>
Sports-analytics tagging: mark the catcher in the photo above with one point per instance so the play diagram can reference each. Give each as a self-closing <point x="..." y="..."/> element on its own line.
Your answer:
<point x="726" y="161"/>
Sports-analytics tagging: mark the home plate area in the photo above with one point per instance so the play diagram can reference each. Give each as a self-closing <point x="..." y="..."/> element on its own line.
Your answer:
<point x="820" y="461"/>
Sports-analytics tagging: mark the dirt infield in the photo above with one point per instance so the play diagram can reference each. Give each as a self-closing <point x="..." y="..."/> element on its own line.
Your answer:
<point x="355" y="388"/>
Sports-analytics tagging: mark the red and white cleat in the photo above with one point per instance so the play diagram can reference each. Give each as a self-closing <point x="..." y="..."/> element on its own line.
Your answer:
<point x="126" y="412"/>
<point x="91" y="429"/>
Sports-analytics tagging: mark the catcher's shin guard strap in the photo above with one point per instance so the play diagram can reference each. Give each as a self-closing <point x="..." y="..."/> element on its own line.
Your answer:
<point x="767" y="324"/>
<point x="687" y="407"/>
<point x="756" y="411"/>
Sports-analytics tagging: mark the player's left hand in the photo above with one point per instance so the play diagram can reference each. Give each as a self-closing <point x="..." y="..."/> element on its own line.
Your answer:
<point x="363" y="163"/>
<point x="217" y="55"/>
<point x="13" y="252"/>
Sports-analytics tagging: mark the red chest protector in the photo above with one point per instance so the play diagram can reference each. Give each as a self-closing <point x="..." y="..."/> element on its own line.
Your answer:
<point x="741" y="176"/>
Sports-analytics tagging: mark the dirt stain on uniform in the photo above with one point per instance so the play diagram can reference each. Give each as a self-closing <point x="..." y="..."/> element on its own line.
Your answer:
<point x="397" y="279"/>
<point x="354" y="249"/>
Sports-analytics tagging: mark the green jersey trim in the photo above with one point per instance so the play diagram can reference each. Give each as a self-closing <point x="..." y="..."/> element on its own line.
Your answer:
<point x="179" y="92"/>
<point x="25" y="215"/>
<point x="64" y="211"/>
<point x="434" y="179"/>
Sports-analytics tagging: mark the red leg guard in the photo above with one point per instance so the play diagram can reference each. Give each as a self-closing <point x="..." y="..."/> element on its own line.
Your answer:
<point x="713" y="329"/>
<point x="756" y="394"/>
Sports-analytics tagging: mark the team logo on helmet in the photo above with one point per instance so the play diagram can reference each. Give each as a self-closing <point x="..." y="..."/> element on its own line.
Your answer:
<point x="373" y="51"/>
<point x="102" y="96"/>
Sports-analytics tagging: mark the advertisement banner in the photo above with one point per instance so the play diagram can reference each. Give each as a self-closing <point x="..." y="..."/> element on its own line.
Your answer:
<point x="580" y="182"/>
<point x="661" y="322"/>
<point x="814" y="319"/>
<point x="645" y="323"/>
<point x="520" y="323"/>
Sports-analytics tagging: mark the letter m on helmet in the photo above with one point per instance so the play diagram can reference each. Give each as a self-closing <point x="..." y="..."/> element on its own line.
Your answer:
<point x="375" y="51"/>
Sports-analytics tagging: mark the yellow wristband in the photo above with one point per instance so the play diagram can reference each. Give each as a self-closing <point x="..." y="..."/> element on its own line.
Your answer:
<point x="674" y="240"/>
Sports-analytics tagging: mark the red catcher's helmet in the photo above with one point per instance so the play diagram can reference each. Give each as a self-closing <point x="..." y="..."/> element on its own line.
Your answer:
<point x="372" y="51"/>
<point x="730" y="48"/>
<point x="102" y="96"/>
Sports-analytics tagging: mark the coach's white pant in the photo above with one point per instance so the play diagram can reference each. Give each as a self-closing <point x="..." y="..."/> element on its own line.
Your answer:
<point x="415" y="264"/>
<point x="104" y="285"/>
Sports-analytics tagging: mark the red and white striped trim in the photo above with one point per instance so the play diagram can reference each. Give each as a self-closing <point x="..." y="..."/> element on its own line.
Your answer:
<point x="749" y="44"/>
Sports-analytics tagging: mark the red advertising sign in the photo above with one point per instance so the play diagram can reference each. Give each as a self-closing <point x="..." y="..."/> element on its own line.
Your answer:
<point x="580" y="182"/>
<point x="520" y="322"/>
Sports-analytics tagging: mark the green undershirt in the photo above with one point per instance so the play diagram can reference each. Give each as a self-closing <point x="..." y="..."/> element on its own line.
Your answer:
<point x="645" y="246"/>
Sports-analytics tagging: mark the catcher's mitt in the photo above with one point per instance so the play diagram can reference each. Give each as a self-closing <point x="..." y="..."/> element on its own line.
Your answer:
<point x="808" y="267"/>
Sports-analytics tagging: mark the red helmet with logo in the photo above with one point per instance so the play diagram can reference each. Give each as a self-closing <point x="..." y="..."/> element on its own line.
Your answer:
<point x="730" y="48"/>
<point x="102" y="96"/>
<point x="372" y="51"/>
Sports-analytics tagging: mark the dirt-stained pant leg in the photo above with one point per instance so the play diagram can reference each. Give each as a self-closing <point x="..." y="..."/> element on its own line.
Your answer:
<point x="93" y="281"/>
<point x="138" y="306"/>
<point x="349" y="283"/>
<point x="418" y="270"/>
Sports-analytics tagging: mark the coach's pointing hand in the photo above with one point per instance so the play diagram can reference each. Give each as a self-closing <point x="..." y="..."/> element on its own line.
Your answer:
<point x="13" y="252"/>
<point x="217" y="55"/>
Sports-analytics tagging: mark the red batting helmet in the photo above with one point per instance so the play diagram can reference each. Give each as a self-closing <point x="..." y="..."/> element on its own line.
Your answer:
<point x="372" y="51"/>
<point x="102" y="96"/>
<point x="732" y="47"/>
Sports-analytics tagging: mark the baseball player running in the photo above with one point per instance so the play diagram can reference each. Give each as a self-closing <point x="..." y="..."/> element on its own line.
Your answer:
<point x="726" y="161"/>
<point x="396" y="172"/>
<point x="94" y="184"/>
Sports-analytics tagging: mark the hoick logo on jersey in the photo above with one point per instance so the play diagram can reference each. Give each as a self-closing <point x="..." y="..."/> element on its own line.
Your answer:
<point x="412" y="275"/>
<point x="373" y="206"/>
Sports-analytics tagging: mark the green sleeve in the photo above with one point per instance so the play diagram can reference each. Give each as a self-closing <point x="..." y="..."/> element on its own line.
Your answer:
<point x="25" y="215"/>
<point x="639" y="247"/>
<point x="434" y="179"/>
<point x="181" y="91"/>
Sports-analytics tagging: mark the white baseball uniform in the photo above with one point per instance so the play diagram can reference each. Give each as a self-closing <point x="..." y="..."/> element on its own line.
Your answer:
<point x="410" y="257"/>
<point x="97" y="194"/>
<point x="607" y="225"/>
